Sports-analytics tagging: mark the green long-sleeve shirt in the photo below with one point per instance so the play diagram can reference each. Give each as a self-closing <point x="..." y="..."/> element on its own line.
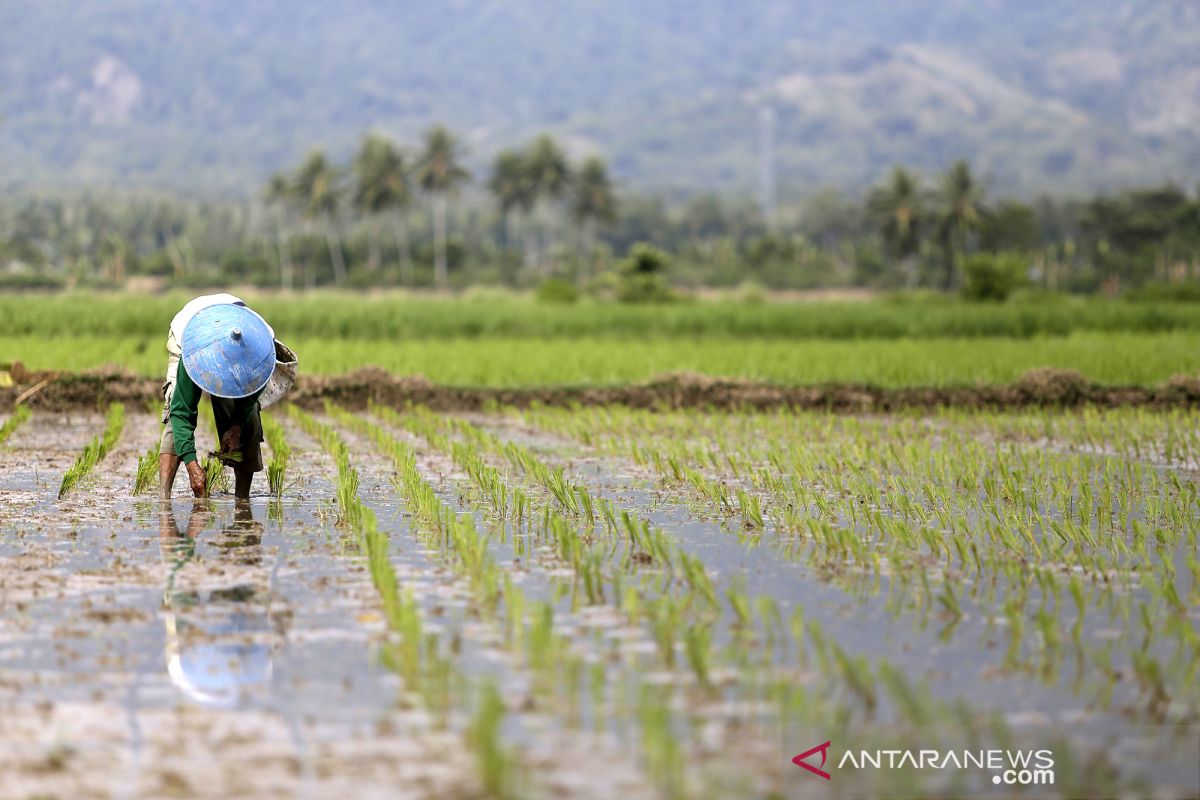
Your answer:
<point x="185" y="404"/>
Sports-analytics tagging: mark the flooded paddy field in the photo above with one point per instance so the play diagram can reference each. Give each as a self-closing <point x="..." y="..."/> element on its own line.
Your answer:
<point x="606" y="602"/>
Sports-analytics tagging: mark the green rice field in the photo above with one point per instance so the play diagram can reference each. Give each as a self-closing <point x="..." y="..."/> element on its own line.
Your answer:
<point x="604" y="601"/>
<point x="1109" y="358"/>
<point x="511" y="342"/>
<point x="598" y="601"/>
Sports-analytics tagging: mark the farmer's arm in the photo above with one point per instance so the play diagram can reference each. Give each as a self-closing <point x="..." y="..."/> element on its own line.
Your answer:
<point x="184" y="405"/>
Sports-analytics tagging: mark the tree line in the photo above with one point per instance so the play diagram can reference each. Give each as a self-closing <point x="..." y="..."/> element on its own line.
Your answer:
<point x="384" y="181"/>
<point x="393" y="216"/>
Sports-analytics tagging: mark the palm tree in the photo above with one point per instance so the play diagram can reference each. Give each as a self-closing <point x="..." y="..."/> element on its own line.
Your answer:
<point x="510" y="185"/>
<point x="277" y="195"/>
<point x="896" y="207"/>
<point x="383" y="183"/>
<point x="440" y="173"/>
<point x="316" y="188"/>
<point x="549" y="175"/>
<point x="593" y="203"/>
<point x="962" y="210"/>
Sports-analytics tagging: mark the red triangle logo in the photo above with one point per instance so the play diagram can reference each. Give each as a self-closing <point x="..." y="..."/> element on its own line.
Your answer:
<point x="800" y="762"/>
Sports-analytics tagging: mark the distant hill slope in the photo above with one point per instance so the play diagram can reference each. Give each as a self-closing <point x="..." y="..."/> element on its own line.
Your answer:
<point x="213" y="95"/>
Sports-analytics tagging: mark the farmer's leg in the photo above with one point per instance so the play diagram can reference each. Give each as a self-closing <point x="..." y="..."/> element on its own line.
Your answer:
<point x="168" y="462"/>
<point x="168" y="465"/>
<point x="241" y="483"/>
<point x="249" y="446"/>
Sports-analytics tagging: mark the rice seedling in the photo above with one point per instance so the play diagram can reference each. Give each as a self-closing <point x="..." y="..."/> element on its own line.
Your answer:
<point x="484" y="736"/>
<point x="215" y="478"/>
<point x="697" y="641"/>
<point x="953" y="508"/>
<point x="147" y="470"/>
<point x="415" y="656"/>
<point x="660" y="741"/>
<point x="545" y="650"/>
<point x="95" y="450"/>
<point x="19" y="417"/>
<point x="943" y="523"/>
<point x="281" y="455"/>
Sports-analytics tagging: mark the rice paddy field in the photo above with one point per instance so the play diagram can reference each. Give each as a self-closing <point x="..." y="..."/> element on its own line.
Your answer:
<point x="511" y="342"/>
<point x="601" y="601"/>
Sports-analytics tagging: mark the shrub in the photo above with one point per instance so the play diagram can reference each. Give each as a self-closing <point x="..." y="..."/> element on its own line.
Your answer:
<point x="1158" y="292"/>
<point x="643" y="275"/>
<point x="556" y="290"/>
<point x="993" y="276"/>
<point x="28" y="280"/>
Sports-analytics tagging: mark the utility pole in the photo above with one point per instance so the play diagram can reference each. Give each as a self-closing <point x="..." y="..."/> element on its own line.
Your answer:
<point x="766" y="163"/>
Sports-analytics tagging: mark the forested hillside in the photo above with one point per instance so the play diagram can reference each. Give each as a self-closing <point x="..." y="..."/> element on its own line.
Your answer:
<point x="215" y="95"/>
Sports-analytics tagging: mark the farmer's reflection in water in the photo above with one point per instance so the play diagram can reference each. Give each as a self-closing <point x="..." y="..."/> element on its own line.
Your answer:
<point x="221" y="639"/>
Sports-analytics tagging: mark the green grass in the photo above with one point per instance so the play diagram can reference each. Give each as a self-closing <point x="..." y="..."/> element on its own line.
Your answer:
<point x="507" y="341"/>
<point x="340" y="316"/>
<point x="1110" y="358"/>
<point x="15" y="420"/>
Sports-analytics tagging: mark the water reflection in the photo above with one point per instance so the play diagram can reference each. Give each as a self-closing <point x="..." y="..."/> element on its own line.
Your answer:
<point x="222" y="636"/>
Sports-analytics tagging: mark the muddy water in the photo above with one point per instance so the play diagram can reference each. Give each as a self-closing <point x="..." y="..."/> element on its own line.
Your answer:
<point x="961" y="660"/>
<point x="569" y="759"/>
<point x="210" y="650"/>
<point x="219" y="650"/>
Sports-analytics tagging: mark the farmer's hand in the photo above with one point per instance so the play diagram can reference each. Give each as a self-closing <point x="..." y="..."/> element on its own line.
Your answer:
<point x="232" y="439"/>
<point x="197" y="480"/>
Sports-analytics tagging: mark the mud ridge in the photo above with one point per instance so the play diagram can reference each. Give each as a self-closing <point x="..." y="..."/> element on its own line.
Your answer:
<point x="1040" y="387"/>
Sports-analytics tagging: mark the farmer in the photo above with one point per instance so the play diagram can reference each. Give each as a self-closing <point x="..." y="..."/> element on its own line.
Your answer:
<point x="219" y="346"/>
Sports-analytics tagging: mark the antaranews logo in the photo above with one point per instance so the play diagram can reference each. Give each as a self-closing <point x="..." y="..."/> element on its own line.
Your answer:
<point x="800" y="762"/>
<point x="1009" y="767"/>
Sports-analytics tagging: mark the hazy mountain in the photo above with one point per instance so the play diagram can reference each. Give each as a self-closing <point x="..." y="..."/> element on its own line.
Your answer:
<point x="215" y="94"/>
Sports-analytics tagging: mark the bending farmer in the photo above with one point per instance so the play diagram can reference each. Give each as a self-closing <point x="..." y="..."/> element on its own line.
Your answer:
<point x="219" y="346"/>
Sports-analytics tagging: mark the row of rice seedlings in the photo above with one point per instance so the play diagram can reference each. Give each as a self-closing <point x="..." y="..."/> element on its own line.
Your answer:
<point x="416" y="656"/>
<point x="571" y="498"/>
<point x="840" y="542"/>
<point x="19" y="417"/>
<point x="643" y="543"/>
<point x="667" y="616"/>
<point x="675" y="621"/>
<point x="1011" y="485"/>
<point x="851" y="672"/>
<point x="1170" y="437"/>
<point x="281" y="454"/>
<point x="915" y="504"/>
<point x="530" y="626"/>
<point x="906" y="509"/>
<point x="95" y="450"/>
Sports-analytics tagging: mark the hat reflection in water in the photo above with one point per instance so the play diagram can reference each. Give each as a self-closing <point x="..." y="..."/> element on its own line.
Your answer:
<point x="221" y="641"/>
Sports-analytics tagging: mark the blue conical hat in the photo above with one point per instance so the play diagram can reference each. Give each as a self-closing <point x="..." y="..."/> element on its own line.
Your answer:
<point x="228" y="351"/>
